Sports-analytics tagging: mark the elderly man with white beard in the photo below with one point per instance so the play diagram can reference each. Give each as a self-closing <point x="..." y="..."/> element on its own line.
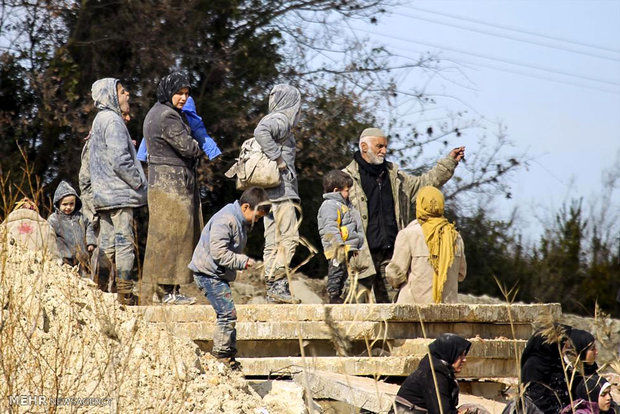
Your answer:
<point x="384" y="196"/>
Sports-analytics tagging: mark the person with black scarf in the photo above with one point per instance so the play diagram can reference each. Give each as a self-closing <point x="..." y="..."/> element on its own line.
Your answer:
<point x="384" y="196"/>
<point x="581" y="357"/>
<point x="542" y="371"/>
<point x="435" y="376"/>
<point x="593" y="396"/>
<point x="175" y="219"/>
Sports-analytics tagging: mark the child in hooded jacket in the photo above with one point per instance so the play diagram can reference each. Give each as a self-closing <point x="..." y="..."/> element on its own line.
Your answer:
<point x="340" y="228"/>
<point x="75" y="236"/>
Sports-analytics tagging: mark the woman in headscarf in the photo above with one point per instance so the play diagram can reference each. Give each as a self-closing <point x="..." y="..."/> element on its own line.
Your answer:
<point x="429" y="254"/>
<point x="418" y="394"/>
<point x="580" y="357"/>
<point x="542" y="371"/>
<point x="593" y="396"/>
<point x="175" y="218"/>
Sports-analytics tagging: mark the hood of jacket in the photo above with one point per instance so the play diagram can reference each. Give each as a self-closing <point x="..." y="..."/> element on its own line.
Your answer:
<point x="105" y="95"/>
<point x="64" y="189"/>
<point x="286" y="99"/>
<point x="336" y="196"/>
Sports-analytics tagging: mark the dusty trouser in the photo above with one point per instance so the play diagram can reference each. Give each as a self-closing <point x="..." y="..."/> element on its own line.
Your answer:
<point x="374" y="289"/>
<point x="219" y="294"/>
<point x="116" y="240"/>
<point x="281" y="239"/>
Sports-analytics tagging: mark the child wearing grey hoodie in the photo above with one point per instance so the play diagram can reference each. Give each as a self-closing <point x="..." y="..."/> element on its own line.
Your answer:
<point x="216" y="259"/>
<point x="340" y="228"/>
<point x="75" y="236"/>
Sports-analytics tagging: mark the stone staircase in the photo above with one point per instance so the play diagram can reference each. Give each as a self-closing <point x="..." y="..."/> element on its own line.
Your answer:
<point x="361" y="339"/>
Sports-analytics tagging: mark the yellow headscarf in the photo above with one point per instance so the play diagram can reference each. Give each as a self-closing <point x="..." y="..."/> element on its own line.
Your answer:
<point x="439" y="234"/>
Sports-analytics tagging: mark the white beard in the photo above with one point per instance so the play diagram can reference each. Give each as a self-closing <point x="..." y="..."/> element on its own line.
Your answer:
<point x="374" y="158"/>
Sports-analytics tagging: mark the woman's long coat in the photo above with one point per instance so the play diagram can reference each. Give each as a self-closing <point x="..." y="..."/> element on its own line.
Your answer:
<point x="175" y="218"/>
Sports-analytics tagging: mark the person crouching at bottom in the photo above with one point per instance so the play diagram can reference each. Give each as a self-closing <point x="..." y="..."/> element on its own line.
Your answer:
<point x="216" y="259"/>
<point x="432" y="387"/>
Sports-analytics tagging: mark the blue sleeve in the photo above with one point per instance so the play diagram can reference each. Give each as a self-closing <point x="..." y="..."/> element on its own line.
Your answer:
<point x="142" y="154"/>
<point x="199" y="132"/>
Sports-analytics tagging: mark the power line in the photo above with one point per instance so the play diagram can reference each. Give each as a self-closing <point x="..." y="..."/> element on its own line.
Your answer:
<point x="517" y="72"/>
<point x="513" y="29"/>
<point x="508" y="61"/>
<point x="486" y="32"/>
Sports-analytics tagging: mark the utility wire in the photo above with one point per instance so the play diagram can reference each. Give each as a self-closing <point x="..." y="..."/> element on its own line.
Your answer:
<point x="487" y="32"/>
<point x="513" y="29"/>
<point x="498" y="59"/>
<point x="517" y="72"/>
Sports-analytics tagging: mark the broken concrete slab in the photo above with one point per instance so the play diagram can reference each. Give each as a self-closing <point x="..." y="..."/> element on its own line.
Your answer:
<point x="362" y="330"/>
<point x="287" y="396"/>
<point x="370" y="366"/>
<point x="519" y="314"/>
<point x="480" y="348"/>
<point x="367" y="393"/>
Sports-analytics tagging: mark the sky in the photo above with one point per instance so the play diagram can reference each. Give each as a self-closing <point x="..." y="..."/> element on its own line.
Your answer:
<point x="569" y="125"/>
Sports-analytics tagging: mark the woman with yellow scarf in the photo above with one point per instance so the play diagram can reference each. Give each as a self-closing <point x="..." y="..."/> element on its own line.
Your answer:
<point x="429" y="254"/>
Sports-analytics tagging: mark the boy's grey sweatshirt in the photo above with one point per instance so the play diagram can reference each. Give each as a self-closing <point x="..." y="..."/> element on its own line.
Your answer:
<point x="331" y="232"/>
<point x="219" y="251"/>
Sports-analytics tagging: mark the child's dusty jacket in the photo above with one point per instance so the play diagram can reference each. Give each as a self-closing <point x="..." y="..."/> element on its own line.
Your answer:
<point x="339" y="224"/>
<point x="74" y="232"/>
<point x="219" y="251"/>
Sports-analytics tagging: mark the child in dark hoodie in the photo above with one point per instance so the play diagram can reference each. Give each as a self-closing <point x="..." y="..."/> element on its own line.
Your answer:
<point x="74" y="232"/>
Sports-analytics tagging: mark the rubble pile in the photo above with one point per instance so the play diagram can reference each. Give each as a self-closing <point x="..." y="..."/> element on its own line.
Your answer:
<point x="67" y="343"/>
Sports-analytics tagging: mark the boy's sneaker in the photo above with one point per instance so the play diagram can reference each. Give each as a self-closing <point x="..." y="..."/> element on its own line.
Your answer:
<point x="177" y="299"/>
<point x="231" y="363"/>
<point x="336" y="300"/>
<point x="279" y="292"/>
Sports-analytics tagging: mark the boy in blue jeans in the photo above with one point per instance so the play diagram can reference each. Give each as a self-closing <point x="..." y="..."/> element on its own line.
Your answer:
<point x="216" y="259"/>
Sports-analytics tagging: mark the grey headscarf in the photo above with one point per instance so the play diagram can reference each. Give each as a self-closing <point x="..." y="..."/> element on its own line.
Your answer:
<point x="287" y="100"/>
<point x="105" y="95"/>
<point x="169" y="85"/>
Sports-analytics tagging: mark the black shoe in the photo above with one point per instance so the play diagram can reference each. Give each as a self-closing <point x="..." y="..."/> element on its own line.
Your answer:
<point x="336" y="300"/>
<point x="279" y="292"/>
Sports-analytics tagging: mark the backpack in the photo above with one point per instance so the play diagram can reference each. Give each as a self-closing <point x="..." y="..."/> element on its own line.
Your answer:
<point x="253" y="168"/>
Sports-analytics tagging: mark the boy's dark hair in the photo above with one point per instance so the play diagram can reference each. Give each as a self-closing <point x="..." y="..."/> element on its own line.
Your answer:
<point x="336" y="179"/>
<point x="256" y="196"/>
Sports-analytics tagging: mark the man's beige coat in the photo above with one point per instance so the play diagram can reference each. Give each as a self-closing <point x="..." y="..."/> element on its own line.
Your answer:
<point x="404" y="190"/>
<point x="410" y="265"/>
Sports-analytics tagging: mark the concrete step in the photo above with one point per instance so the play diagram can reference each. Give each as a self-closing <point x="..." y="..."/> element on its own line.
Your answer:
<point x="398" y="366"/>
<point x="483" y="313"/>
<point x="352" y="331"/>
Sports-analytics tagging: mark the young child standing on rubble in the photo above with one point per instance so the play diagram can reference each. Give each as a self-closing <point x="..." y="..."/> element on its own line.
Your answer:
<point x="216" y="259"/>
<point x="341" y="230"/>
<point x="74" y="232"/>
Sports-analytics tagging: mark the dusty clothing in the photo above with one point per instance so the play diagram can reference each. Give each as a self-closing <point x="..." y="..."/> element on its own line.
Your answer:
<point x="419" y="387"/>
<point x="339" y="225"/>
<point x="28" y="229"/>
<point x="175" y="219"/>
<point x="410" y="266"/>
<point x="404" y="189"/>
<point x="281" y="239"/>
<point x="117" y="240"/>
<point x="74" y="232"/>
<point x="219" y="252"/>
<point x="116" y="176"/>
<point x="86" y="191"/>
<point x="274" y="134"/>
